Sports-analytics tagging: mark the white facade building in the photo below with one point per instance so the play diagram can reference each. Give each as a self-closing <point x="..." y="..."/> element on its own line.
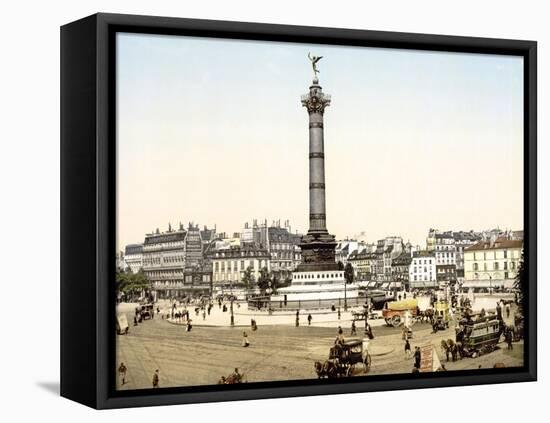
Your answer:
<point x="492" y="264"/>
<point x="422" y="271"/>
<point x="229" y="264"/>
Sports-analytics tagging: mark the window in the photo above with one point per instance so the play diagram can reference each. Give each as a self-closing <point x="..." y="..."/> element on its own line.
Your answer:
<point x="505" y="265"/>
<point x="476" y="267"/>
<point x="496" y="265"/>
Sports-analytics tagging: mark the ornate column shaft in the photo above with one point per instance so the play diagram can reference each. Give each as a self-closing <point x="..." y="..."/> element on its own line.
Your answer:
<point x="317" y="245"/>
<point x="315" y="102"/>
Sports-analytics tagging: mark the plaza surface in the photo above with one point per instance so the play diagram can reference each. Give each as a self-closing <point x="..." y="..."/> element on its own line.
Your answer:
<point x="279" y="351"/>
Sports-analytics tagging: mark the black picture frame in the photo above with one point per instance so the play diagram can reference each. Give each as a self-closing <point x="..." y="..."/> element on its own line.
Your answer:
<point x="88" y="213"/>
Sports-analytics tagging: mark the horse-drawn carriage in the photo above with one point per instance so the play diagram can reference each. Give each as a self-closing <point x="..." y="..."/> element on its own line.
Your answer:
<point x="394" y="312"/>
<point x="479" y="336"/>
<point x="343" y="358"/>
<point x="441" y="316"/>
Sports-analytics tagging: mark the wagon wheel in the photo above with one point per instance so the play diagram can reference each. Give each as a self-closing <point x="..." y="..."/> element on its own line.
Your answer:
<point x="367" y="362"/>
<point x="396" y="321"/>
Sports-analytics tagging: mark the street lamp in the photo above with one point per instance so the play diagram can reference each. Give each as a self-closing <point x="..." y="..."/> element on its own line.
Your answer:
<point x="490" y="285"/>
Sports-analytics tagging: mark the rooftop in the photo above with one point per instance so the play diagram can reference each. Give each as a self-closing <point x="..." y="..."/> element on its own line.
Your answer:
<point x="498" y="244"/>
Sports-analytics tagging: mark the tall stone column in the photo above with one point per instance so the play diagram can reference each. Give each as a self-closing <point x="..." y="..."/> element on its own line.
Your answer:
<point x="318" y="245"/>
<point x="315" y="102"/>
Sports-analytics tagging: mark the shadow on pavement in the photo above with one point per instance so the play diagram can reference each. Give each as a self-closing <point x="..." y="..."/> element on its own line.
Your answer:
<point x="51" y="387"/>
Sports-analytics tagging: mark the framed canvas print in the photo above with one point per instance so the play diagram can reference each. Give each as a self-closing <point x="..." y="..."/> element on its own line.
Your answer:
<point x="258" y="211"/>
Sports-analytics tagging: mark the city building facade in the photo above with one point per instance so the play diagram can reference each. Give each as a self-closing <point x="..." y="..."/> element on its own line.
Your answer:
<point x="133" y="257"/>
<point x="492" y="263"/>
<point x="422" y="270"/>
<point x="173" y="263"/>
<point x="364" y="265"/>
<point x="230" y="264"/>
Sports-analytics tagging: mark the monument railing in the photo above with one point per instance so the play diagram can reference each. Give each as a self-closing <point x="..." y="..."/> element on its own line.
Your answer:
<point x="268" y="304"/>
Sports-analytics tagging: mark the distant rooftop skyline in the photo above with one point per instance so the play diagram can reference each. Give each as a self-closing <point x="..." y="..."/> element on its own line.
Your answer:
<point x="212" y="131"/>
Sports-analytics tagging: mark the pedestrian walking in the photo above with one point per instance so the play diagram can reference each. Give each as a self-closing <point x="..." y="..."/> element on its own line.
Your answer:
<point x="245" y="340"/>
<point x="122" y="373"/>
<point x="340" y="337"/>
<point x="353" y="328"/>
<point x="309" y="319"/>
<point x="417" y="357"/>
<point x="507" y="311"/>
<point x="297" y="318"/>
<point x="339" y="314"/>
<point x="407" y="349"/>
<point x="156" y="379"/>
<point x="509" y="338"/>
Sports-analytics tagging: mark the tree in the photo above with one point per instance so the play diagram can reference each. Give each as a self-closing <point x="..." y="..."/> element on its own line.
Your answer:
<point x="349" y="274"/>
<point x="130" y="283"/>
<point x="520" y="283"/>
<point x="264" y="279"/>
<point x="275" y="281"/>
<point x="248" y="277"/>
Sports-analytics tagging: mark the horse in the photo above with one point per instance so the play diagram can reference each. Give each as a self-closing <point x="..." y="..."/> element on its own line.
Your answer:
<point x="330" y="369"/>
<point x="426" y="315"/>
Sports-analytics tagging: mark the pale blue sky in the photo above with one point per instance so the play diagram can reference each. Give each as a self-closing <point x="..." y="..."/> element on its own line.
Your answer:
<point x="213" y="131"/>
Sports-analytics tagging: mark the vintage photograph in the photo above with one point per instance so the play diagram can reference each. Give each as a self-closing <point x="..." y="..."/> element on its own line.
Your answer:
<point x="289" y="211"/>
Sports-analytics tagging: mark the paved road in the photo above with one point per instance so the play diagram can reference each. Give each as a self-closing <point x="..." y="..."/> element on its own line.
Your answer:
<point x="201" y="356"/>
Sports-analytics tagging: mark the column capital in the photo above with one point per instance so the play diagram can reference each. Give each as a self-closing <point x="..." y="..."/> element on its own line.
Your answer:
<point x="315" y="101"/>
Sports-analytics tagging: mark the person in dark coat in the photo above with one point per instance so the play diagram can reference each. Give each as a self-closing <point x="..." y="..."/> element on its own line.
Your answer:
<point x="156" y="379"/>
<point x="499" y="311"/>
<point x="509" y="338"/>
<point x="309" y="319"/>
<point x="122" y="372"/>
<point x="407" y="349"/>
<point x="417" y="357"/>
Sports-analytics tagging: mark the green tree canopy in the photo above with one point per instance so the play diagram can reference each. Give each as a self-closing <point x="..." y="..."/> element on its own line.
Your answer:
<point x="264" y="279"/>
<point x="349" y="274"/>
<point x="248" y="277"/>
<point x="131" y="283"/>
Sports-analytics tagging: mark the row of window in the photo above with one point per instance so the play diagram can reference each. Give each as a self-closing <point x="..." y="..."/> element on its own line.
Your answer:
<point x="426" y="261"/>
<point x="490" y="255"/>
<point x="319" y="275"/>
<point x="496" y="266"/>
<point x="425" y="278"/>
<point x="234" y="265"/>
